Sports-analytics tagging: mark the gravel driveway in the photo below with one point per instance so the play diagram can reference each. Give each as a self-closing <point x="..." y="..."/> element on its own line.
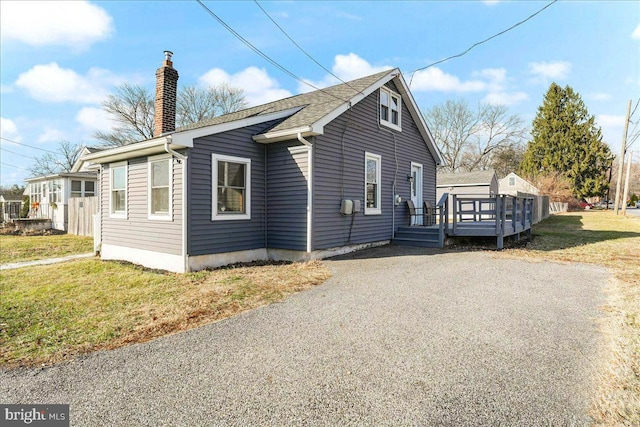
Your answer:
<point x="398" y="336"/>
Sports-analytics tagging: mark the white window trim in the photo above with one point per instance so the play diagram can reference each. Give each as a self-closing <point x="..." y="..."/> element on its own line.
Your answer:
<point x="169" y="215"/>
<point x="112" y="214"/>
<point x="215" y="216"/>
<point x="388" y="123"/>
<point x="378" y="159"/>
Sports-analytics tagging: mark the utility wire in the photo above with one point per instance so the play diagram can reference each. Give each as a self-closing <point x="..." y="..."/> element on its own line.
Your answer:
<point x="480" y="42"/>
<point x="30" y="146"/>
<point x="17" y="154"/>
<point x="14" y="166"/>
<point x="301" y="49"/>
<point x="262" y="54"/>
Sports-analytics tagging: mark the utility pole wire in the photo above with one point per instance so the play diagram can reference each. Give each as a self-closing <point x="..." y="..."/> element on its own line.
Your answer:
<point x="301" y="49"/>
<point x="17" y="154"/>
<point x="30" y="146"/>
<point x="262" y="54"/>
<point x="480" y="42"/>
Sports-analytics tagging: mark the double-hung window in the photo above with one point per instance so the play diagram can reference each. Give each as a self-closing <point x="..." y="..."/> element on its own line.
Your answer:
<point x="231" y="187"/>
<point x="390" y="108"/>
<point x="372" y="194"/>
<point x="160" y="178"/>
<point x="118" y="190"/>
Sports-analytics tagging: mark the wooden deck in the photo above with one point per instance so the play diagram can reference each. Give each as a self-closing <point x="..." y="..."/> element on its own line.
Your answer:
<point x="496" y="216"/>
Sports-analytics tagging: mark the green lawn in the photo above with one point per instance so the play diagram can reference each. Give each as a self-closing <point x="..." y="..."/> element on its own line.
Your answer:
<point x="28" y="248"/>
<point x="613" y="241"/>
<point x="48" y="313"/>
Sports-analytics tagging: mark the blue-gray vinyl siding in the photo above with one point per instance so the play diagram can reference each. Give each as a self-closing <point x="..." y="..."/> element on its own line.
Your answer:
<point x="207" y="236"/>
<point x="339" y="172"/>
<point x="287" y="178"/>
<point x="137" y="230"/>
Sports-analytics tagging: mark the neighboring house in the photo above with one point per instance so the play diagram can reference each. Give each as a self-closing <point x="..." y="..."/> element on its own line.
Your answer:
<point x="49" y="195"/>
<point x="11" y="204"/>
<point x="305" y="177"/>
<point x="481" y="183"/>
<point x="477" y="183"/>
<point x="513" y="185"/>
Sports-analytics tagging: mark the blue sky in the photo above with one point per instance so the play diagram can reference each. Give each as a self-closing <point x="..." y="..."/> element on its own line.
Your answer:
<point x="59" y="60"/>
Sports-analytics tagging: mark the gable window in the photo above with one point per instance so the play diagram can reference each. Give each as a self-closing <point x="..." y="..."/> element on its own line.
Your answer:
<point x="231" y="187"/>
<point x="390" y="108"/>
<point x="159" y="191"/>
<point x="118" y="190"/>
<point x="372" y="194"/>
<point x="512" y="181"/>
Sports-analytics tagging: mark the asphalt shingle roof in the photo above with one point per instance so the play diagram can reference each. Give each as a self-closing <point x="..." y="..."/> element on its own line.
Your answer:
<point x="465" y="178"/>
<point x="315" y="105"/>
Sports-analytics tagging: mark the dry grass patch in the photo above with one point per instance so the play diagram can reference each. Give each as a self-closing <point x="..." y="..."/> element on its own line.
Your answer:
<point x="29" y="248"/>
<point x="602" y="238"/>
<point x="53" y="312"/>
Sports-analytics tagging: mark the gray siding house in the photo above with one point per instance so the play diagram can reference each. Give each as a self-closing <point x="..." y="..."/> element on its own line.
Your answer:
<point x="310" y="176"/>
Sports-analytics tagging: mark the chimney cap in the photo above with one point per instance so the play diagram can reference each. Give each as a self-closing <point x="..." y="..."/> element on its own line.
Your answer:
<point x="167" y="55"/>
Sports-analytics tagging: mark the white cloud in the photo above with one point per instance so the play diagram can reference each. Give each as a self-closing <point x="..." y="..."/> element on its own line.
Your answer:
<point x="505" y="98"/>
<point x="258" y="87"/>
<point x="8" y="129"/>
<point x="94" y="119"/>
<point x="606" y="120"/>
<point x="434" y="79"/>
<point x="544" y="71"/>
<point x="346" y="67"/>
<point x="76" y="24"/>
<point x="51" y="135"/>
<point x="51" y="83"/>
<point x="491" y="2"/>
<point x="636" y="32"/>
<point x="600" y="96"/>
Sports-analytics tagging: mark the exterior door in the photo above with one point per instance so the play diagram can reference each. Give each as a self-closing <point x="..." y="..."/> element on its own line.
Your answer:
<point x="416" y="192"/>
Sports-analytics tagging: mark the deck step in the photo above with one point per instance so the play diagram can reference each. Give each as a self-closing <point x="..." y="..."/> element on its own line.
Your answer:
<point x="423" y="243"/>
<point x="426" y="237"/>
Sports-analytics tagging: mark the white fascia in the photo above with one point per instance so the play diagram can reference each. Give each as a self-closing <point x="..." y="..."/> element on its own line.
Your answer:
<point x="139" y="149"/>
<point x="403" y="88"/>
<point x="187" y="137"/>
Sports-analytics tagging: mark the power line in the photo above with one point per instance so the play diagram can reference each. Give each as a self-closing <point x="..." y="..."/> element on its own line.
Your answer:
<point x="301" y="49"/>
<point x="480" y="42"/>
<point x="262" y="54"/>
<point x="30" y="146"/>
<point x="17" y="154"/>
<point x="14" y="166"/>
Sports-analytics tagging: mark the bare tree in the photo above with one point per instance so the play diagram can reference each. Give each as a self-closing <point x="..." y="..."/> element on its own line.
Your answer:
<point x="473" y="140"/>
<point x="132" y="109"/>
<point x="196" y="104"/>
<point x="62" y="161"/>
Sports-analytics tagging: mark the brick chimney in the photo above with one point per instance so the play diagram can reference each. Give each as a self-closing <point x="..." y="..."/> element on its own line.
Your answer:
<point x="166" y="90"/>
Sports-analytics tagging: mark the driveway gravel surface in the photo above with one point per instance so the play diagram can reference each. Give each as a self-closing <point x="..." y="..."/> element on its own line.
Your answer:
<point x="398" y="336"/>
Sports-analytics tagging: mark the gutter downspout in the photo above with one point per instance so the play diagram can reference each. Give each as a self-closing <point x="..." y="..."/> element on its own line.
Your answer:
<point x="309" y="191"/>
<point x="184" y="159"/>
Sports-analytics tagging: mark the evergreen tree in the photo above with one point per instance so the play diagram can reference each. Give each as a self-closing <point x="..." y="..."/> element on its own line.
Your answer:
<point x="566" y="140"/>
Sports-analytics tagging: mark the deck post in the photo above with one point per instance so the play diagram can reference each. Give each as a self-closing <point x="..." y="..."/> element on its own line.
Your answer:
<point x="500" y="241"/>
<point x="498" y="214"/>
<point x="455" y="214"/>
